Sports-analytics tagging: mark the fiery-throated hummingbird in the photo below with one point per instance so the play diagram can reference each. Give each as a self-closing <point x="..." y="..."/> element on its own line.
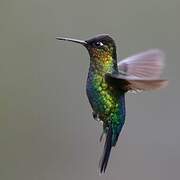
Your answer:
<point x="109" y="80"/>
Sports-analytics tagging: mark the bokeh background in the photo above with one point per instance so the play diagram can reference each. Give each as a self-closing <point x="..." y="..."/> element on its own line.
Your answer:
<point x="46" y="128"/>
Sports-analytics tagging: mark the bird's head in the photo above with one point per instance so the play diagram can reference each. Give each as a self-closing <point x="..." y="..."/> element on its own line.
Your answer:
<point x="101" y="48"/>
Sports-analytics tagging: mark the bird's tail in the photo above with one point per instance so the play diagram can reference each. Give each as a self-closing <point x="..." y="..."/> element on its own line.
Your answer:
<point x="107" y="150"/>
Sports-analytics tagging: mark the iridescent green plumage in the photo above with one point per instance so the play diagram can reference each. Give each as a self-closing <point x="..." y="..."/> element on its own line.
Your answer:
<point x="108" y="82"/>
<point x="106" y="101"/>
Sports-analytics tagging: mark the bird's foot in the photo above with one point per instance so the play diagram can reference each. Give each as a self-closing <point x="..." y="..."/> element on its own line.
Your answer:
<point x="96" y="116"/>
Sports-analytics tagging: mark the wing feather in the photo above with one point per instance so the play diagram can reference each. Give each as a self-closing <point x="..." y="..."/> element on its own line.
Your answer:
<point x="132" y="83"/>
<point x="148" y="64"/>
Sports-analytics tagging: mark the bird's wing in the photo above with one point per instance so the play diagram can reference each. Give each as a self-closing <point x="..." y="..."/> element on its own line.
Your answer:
<point x="148" y="64"/>
<point x="133" y="83"/>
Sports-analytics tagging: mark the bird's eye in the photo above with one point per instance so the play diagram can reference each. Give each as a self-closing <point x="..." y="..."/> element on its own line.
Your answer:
<point x="98" y="44"/>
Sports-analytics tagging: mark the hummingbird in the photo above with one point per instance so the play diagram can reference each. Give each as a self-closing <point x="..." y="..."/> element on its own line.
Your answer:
<point x="109" y="80"/>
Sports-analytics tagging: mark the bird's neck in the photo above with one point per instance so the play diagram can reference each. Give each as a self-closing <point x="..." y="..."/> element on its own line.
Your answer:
<point x="103" y="66"/>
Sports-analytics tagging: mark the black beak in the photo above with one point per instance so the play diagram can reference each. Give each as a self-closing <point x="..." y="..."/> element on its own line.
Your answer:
<point x="84" y="43"/>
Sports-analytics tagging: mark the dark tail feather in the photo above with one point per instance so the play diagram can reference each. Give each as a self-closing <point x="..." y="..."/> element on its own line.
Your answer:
<point x="107" y="150"/>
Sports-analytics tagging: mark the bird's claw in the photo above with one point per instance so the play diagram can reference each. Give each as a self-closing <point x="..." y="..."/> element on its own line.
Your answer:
<point x="95" y="116"/>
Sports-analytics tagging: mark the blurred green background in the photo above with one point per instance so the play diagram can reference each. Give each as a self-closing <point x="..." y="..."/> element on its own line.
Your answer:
<point x="46" y="128"/>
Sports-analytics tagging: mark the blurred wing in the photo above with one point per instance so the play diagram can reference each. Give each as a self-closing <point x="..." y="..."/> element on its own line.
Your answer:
<point x="148" y="64"/>
<point x="126" y="83"/>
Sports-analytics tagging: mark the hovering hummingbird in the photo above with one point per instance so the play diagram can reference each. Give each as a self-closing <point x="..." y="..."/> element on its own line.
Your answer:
<point x="109" y="80"/>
